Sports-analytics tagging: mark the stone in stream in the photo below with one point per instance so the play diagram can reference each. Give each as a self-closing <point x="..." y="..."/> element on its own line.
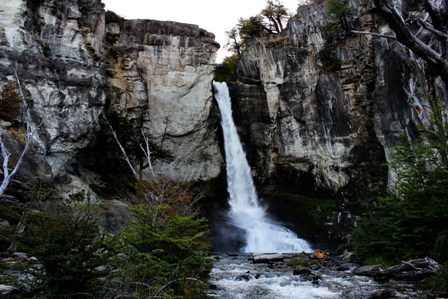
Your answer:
<point x="268" y="258"/>
<point x="300" y="270"/>
<point x="410" y="270"/>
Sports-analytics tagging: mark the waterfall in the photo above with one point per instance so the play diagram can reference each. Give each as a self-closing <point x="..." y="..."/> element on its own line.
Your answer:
<point x="262" y="234"/>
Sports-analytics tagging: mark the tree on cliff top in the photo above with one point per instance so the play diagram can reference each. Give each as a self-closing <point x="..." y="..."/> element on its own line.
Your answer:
<point x="270" y="20"/>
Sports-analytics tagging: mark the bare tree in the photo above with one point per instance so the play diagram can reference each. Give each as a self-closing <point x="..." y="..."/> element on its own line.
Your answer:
<point x="434" y="52"/>
<point x="148" y="152"/>
<point x="7" y="174"/>
<point x="146" y="148"/>
<point x="123" y="151"/>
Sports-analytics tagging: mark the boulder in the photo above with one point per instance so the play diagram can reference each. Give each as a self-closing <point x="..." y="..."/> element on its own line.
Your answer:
<point x="268" y="258"/>
<point x="412" y="270"/>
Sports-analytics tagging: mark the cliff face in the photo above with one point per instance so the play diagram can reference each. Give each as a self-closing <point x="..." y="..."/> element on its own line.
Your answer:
<point x="159" y="74"/>
<point x="56" y="49"/>
<point x="320" y="128"/>
<point x="72" y="75"/>
<point x="302" y="123"/>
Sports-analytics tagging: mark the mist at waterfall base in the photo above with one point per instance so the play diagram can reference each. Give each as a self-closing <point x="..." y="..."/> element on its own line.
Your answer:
<point x="259" y="232"/>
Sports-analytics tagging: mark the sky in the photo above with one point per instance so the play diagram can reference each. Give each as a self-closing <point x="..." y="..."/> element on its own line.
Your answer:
<point x="214" y="16"/>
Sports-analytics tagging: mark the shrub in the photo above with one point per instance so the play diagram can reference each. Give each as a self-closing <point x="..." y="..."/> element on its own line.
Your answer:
<point x="112" y="17"/>
<point x="9" y="101"/>
<point x="164" y="246"/>
<point x="439" y="282"/>
<point x="67" y="241"/>
<point x="226" y="71"/>
<point x="339" y="14"/>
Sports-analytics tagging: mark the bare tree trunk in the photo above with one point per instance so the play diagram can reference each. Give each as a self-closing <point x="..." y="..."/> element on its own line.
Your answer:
<point x="123" y="151"/>
<point x="7" y="176"/>
<point x="147" y="151"/>
<point x="435" y="60"/>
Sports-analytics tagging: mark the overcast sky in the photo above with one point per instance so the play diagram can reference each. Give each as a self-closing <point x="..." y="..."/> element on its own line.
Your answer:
<point x="214" y="16"/>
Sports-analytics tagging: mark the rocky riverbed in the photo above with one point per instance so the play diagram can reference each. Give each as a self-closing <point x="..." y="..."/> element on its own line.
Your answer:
<point x="288" y="276"/>
<point x="275" y="276"/>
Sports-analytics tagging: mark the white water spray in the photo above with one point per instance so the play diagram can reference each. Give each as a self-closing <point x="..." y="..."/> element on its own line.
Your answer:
<point x="246" y="212"/>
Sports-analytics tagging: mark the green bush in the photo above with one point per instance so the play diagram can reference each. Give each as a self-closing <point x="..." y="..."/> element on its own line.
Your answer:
<point x="164" y="248"/>
<point x="439" y="282"/>
<point x="333" y="32"/>
<point x="112" y="17"/>
<point x="68" y="243"/>
<point x="163" y="254"/>
<point x="226" y="71"/>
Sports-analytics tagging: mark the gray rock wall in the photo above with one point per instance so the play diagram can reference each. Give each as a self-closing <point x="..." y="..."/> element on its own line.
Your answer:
<point x="56" y="48"/>
<point x="336" y="126"/>
<point x="72" y="74"/>
<point x="162" y="72"/>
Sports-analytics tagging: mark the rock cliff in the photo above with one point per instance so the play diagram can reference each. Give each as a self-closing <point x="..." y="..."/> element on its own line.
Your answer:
<point x="159" y="74"/>
<point x="322" y="128"/>
<point x="75" y="67"/>
<point x="302" y="123"/>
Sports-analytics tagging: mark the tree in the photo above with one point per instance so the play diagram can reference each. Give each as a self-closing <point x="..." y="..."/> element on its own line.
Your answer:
<point x="276" y="14"/>
<point x="164" y="246"/>
<point x="432" y="50"/>
<point x="233" y="41"/>
<point x="133" y="145"/>
<point x="412" y="221"/>
<point x="226" y="71"/>
<point x="67" y="241"/>
<point x="7" y="175"/>
<point x="271" y="20"/>
<point x="339" y="15"/>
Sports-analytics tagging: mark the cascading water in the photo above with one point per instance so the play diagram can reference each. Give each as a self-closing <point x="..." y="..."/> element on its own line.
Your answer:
<point x="246" y="212"/>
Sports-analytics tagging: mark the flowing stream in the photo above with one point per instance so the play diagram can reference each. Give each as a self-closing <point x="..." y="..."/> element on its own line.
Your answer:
<point x="261" y="234"/>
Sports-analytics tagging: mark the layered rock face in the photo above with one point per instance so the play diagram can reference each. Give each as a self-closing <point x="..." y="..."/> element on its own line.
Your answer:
<point x="72" y="74"/>
<point x="56" y="50"/>
<point x="301" y="122"/>
<point x="160" y="76"/>
<point x="322" y="128"/>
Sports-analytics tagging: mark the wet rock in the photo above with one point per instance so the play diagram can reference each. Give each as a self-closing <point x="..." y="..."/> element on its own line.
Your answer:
<point x="344" y="267"/>
<point x="7" y="289"/>
<point x="383" y="294"/>
<point x="4" y="224"/>
<point x="374" y="271"/>
<point x="268" y="258"/>
<point x="20" y="255"/>
<point x="245" y="277"/>
<point x="349" y="257"/>
<point x="412" y="270"/>
<point x="301" y="271"/>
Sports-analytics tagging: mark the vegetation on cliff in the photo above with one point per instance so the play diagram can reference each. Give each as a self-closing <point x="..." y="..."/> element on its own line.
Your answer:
<point x="412" y="221"/>
<point x="270" y="21"/>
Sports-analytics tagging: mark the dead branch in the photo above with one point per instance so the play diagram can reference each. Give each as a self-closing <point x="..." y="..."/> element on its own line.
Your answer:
<point x="7" y="176"/>
<point x="374" y="34"/>
<point x="123" y="151"/>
